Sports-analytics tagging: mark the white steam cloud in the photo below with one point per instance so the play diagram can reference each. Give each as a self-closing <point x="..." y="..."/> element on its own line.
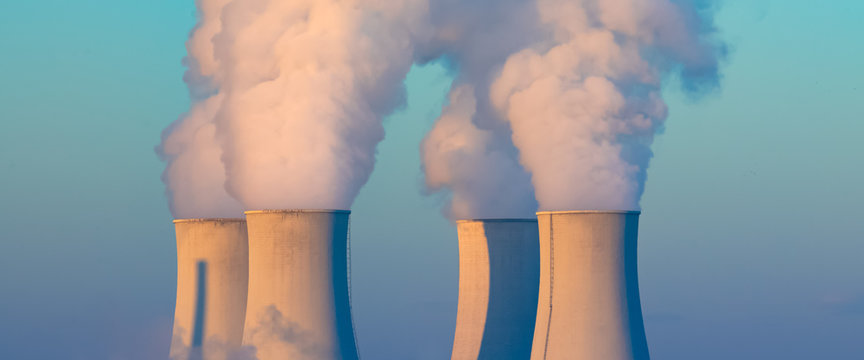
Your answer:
<point x="484" y="182"/>
<point x="555" y="103"/>
<point x="288" y="102"/>
<point x="582" y="97"/>
<point x="195" y="175"/>
<point x="468" y="155"/>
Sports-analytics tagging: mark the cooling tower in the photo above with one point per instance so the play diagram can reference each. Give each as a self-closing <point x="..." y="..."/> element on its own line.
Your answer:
<point x="589" y="306"/>
<point x="298" y="305"/>
<point x="499" y="274"/>
<point x="212" y="267"/>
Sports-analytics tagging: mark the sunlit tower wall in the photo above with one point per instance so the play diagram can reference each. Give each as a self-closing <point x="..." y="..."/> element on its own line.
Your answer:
<point x="298" y="304"/>
<point x="499" y="274"/>
<point x="589" y="306"/>
<point x="212" y="278"/>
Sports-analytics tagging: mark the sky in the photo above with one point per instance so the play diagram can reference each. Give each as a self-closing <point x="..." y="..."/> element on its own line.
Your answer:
<point x="750" y="239"/>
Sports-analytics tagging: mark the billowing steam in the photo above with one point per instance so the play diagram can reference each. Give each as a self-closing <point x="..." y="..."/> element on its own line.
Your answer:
<point x="469" y="154"/>
<point x="564" y="95"/>
<point x="484" y="182"/>
<point x="289" y="98"/>
<point x="584" y="105"/>
<point x="581" y="95"/>
<point x="195" y="175"/>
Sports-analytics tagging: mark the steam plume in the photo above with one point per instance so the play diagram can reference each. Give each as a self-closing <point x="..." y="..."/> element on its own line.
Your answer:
<point x="469" y="154"/>
<point x="195" y="175"/>
<point x="293" y="95"/>
<point x="459" y="156"/>
<point x="585" y="102"/>
<point x="289" y="96"/>
<point x="576" y="84"/>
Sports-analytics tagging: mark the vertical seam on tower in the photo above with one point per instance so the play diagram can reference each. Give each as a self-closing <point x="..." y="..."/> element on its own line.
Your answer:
<point x="551" y="282"/>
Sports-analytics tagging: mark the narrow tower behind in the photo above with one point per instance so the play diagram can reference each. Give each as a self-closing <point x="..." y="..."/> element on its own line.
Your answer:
<point x="298" y="305"/>
<point x="499" y="275"/>
<point x="589" y="292"/>
<point x="212" y="268"/>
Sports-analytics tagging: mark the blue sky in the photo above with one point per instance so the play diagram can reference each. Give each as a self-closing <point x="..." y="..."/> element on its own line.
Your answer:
<point x="750" y="240"/>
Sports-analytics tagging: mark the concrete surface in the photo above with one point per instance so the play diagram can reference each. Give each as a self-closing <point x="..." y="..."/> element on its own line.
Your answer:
<point x="499" y="273"/>
<point x="589" y="305"/>
<point x="298" y="304"/>
<point x="212" y="268"/>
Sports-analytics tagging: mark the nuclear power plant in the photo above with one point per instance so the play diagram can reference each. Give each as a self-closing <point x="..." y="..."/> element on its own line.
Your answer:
<point x="499" y="274"/>
<point x="212" y="267"/>
<point x="589" y="304"/>
<point x="288" y="110"/>
<point x="564" y="286"/>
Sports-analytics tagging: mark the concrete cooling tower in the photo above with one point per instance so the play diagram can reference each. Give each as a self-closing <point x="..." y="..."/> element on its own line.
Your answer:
<point x="298" y="304"/>
<point x="499" y="274"/>
<point x="212" y="260"/>
<point x="589" y="293"/>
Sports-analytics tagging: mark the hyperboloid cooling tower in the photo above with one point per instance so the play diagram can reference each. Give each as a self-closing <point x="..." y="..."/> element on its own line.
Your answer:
<point x="589" y="306"/>
<point x="298" y="305"/>
<point x="212" y="260"/>
<point x="499" y="275"/>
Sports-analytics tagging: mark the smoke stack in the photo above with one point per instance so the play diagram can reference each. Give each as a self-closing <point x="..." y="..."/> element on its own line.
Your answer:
<point x="298" y="304"/>
<point x="499" y="275"/>
<point x="212" y="268"/>
<point x="589" y="293"/>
